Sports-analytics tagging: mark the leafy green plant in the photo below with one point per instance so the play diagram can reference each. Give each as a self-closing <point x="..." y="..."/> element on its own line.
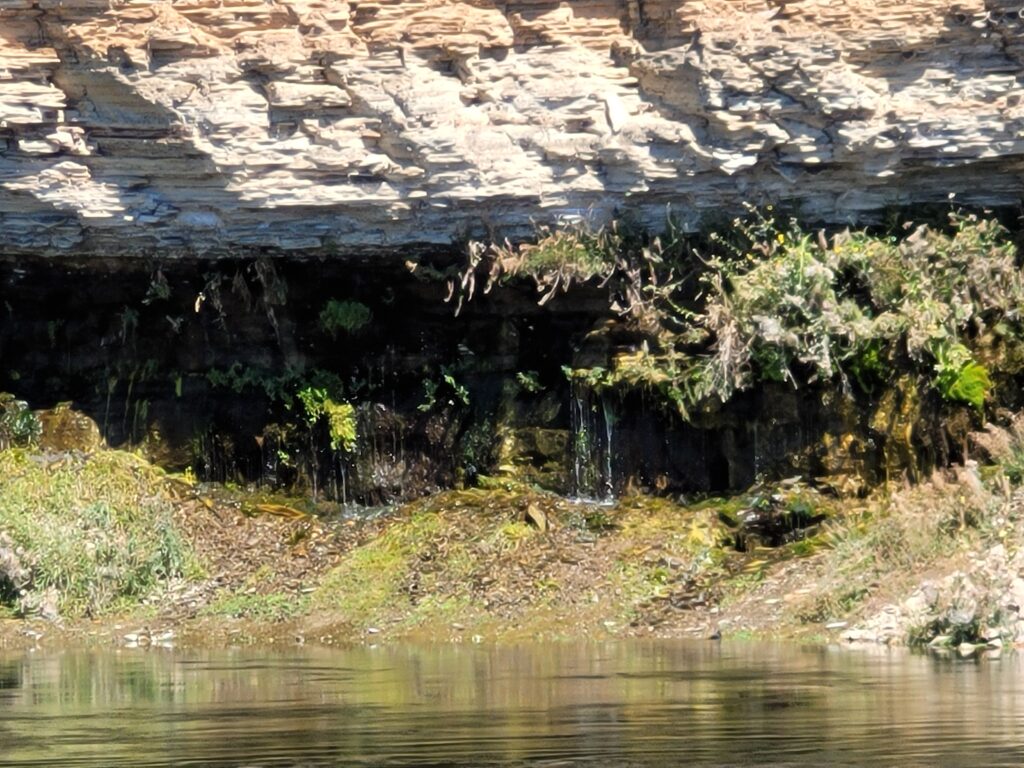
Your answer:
<point x="159" y="289"/>
<point x="347" y="316"/>
<point x="341" y="425"/>
<point x="340" y="417"/>
<point x="313" y="400"/>
<point x="278" y="387"/>
<point x="448" y="389"/>
<point x="529" y="381"/>
<point x="868" y="365"/>
<point x="955" y="633"/>
<point x="19" y="426"/>
<point x="457" y="389"/>
<point x="958" y="377"/>
<point x="557" y="260"/>
<point x="771" y="302"/>
<point x="129" y="321"/>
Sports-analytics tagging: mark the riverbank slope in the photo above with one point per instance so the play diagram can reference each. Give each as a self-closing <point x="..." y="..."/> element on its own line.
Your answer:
<point x="115" y="552"/>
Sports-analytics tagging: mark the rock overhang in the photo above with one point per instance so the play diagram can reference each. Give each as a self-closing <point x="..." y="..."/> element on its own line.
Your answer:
<point x="387" y="128"/>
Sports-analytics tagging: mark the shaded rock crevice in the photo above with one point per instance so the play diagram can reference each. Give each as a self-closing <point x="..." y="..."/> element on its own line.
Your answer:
<point x="204" y="365"/>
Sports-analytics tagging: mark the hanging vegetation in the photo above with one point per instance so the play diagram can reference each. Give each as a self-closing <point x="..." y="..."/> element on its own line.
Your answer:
<point x="768" y="301"/>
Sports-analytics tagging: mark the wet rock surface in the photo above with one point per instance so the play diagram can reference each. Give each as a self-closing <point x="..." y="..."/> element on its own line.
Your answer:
<point x="201" y="128"/>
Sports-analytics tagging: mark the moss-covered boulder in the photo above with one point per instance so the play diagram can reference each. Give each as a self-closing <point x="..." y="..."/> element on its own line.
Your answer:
<point x="65" y="429"/>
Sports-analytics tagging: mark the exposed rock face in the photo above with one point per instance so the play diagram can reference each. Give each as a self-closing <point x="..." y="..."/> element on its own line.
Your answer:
<point x="204" y="126"/>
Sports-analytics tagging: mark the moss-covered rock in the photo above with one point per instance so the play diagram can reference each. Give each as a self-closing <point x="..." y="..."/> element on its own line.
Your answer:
<point x="65" y="429"/>
<point x="894" y="421"/>
<point x="535" y="455"/>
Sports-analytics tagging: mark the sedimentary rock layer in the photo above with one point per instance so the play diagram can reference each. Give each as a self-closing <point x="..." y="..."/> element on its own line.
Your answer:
<point x="215" y="126"/>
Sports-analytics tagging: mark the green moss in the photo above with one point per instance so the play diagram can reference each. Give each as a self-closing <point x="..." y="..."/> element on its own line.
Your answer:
<point x="477" y="443"/>
<point x="511" y="536"/>
<point x="367" y="584"/>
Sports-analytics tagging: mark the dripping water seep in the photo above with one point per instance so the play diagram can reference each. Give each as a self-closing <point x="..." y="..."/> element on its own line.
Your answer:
<point x="592" y="425"/>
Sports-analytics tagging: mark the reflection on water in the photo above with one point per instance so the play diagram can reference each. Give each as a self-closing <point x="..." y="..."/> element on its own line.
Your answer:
<point x="647" y="704"/>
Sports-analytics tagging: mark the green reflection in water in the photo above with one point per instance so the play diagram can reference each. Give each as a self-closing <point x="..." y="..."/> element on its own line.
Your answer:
<point x="606" y="704"/>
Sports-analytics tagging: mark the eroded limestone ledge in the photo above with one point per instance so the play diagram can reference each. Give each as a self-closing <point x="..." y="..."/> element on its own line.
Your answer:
<point x="208" y="126"/>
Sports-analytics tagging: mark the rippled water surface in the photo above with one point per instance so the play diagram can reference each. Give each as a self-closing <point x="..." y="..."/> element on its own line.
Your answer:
<point x="648" y="704"/>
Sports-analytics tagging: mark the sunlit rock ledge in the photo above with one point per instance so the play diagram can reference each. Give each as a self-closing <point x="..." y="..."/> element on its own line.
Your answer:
<point x="210" y="126"/>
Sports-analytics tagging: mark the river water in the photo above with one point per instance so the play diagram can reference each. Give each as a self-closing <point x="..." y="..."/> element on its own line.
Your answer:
<point x="614" y="704"/>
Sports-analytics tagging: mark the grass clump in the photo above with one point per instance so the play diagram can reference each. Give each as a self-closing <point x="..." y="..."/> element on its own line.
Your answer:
<point x="557" y="260"/>
<point x="959" y="377"/>
<point x="96" y="529"/>
<point x="885" y="546"/>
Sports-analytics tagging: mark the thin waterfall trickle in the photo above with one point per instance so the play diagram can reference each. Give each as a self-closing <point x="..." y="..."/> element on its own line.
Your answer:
<point x="757" y="453"/>
<point x="592" y="439"/>
<point x="606" y="412"/>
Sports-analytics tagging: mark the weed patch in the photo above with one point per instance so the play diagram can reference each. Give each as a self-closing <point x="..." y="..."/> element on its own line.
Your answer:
<point x="98" y="529"/>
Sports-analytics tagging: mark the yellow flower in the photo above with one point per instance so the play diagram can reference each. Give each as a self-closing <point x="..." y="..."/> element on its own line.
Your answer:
<point x="780" y="238"/>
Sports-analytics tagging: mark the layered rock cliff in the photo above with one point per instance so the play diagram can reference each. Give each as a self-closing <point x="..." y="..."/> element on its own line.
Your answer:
<point x="216" y="126"/>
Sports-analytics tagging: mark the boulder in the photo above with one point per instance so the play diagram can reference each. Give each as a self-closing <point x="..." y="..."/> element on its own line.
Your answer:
<point x="65" y="429"/>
